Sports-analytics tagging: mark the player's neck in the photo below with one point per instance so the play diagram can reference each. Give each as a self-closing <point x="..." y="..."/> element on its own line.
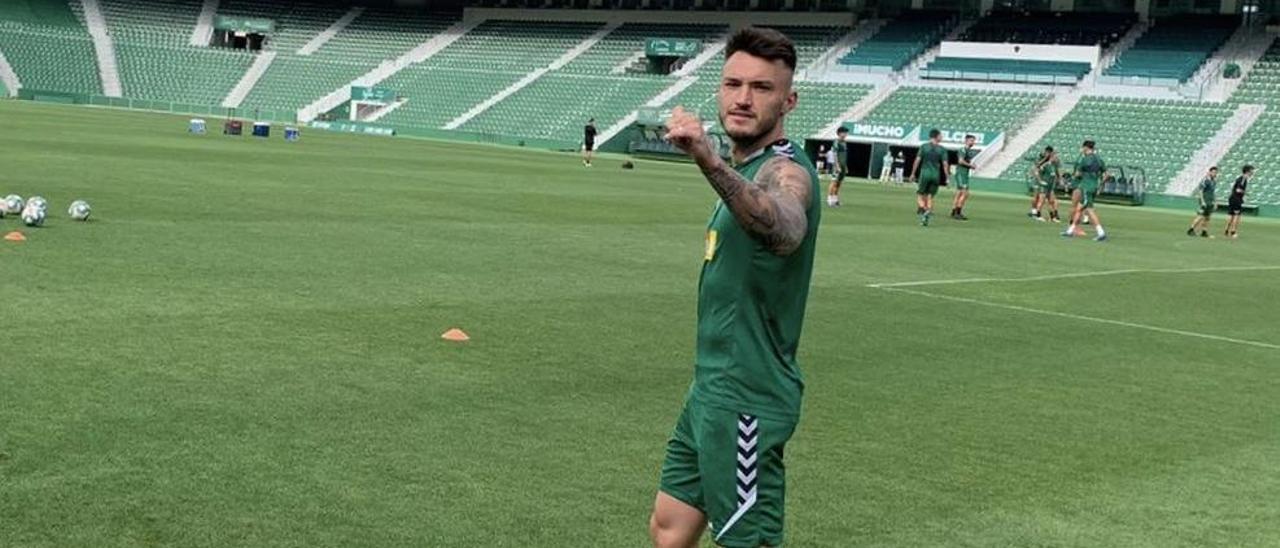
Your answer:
<point x="742" y="152"/>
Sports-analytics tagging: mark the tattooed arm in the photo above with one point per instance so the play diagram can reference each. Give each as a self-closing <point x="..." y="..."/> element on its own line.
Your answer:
<point x="771" y="208"/>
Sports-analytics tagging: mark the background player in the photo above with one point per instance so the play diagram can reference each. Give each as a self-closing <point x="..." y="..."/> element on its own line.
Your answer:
<point x="964" y="163"/>
<point x="899" y="167"/>
<point x="1207" y="204"/>
<point x="1235" y="202"/>
<point x="723" y="471"/>
<point x="886" y="167"/>
<point x="1088" y="174"/>
<point x="927" y="173"/>
<point x="1047" y="172"/>
<point x="839" y="151"/>
<point x="588" y="142"/>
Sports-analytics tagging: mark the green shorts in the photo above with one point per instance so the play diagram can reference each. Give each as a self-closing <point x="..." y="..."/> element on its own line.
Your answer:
<point x="962" y="180"/>
<point x="839" y="174"/>
<point x="1047" y="190"/>
<point x="729" y="466"/>
<point x="1206" y="211"/>
<point x="928" y="184"/>
<point x="1087" y="194"/>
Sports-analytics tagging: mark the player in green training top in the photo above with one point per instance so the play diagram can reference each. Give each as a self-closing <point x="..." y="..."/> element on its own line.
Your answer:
<point x="723" y="471"/>
<point x="964" y="163"/>
<point x="927" y="171"/>
<point x="1047" y="171"/>
<point x="1088" y="176"/>
<point x="839" y="168"/>
<point x="1207" y="204"/>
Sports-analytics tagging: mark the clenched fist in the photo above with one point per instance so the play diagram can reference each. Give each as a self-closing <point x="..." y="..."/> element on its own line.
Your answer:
<point x="685" y="131"/>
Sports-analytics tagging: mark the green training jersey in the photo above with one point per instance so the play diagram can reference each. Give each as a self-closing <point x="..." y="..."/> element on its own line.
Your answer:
<point x="1091" y="167"/>
<point x="842" y="151"/>
<point x="751" y="305"/>
<point x="931" y="158"/>
<point x="1207" y="188"/>
<point x="968" y="154"/>
<point x="1049" y="173"/>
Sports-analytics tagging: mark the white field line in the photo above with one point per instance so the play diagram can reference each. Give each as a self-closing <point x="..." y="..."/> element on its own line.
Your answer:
<point x="891" y="285"/>
<point x="1165" y="330"/>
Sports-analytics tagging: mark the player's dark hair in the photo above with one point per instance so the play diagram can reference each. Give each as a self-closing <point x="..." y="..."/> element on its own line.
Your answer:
<point x="970" y="137"/>
<point x="934" y="133"/>
<point x="842" y="130"/>
<point x="1048" y="149"/>
<point x="1214" y="168"/>
<point x="1090" y="144"/>
<point x="767" y="44"/>
<point x="1248" y="169"/>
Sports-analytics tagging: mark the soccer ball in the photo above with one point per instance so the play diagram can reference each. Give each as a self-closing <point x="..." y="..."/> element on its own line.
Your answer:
<point x="79" y="210"/>
<point x="38" y="202"/>
<point x="13" y="203"/>
<point x="33" y="216"/>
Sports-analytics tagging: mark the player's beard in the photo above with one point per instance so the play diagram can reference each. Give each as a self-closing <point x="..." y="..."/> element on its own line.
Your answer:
<point x="750" y="140"/>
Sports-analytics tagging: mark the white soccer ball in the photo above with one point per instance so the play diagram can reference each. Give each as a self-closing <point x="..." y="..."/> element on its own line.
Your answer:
<point x="37" y="201"/>
<point x="33" y="216"/>
<point x="13" y="203"/>
<point x="79" y="210"/>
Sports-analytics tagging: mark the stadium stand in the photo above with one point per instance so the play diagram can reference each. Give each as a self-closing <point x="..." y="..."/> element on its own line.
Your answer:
<point x="1077" y="29"/>
<point x="449" y="83"/>
<point x="1005" y="70"/>
<point x="48" y="48"/>
<point x="627" y="43"/>
<point x="377" y="35"/>
<point x="1158" y="136"/>
<point x="1175" y="47"/>
<point x="901" y="40"/>
<point x="157" y="63"/>
<point x="968" y="110"/>
<point x="1258" y="146"/>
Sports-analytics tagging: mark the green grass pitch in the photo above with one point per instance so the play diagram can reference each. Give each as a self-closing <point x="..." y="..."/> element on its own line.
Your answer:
<point x="242" y="349"/>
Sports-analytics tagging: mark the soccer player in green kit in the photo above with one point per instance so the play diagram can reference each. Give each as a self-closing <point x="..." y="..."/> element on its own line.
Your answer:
<point x="839" y="169"/>
<point x="1088" y="174"/>
<point x="1207" y="204"/>
<point x="927" y="171"/>
<point x="1047" y="172"/>
<point x="964" y="163"/>
<point x="723" y="471"/>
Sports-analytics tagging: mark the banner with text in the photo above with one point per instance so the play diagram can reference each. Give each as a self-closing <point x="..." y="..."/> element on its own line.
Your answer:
<point x="244" y="24"/>
<point x="671" y="47"/>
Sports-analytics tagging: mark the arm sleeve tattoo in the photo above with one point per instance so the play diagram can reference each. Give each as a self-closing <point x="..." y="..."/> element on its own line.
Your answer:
<point x="772" y="207"/>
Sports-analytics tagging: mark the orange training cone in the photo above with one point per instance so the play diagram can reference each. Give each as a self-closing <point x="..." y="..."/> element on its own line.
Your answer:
<point x="15" y="236"/>
<point x="456" y="335"/>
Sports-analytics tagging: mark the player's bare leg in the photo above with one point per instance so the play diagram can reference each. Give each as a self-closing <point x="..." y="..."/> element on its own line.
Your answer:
<point x="1036" y="200"/>
<point x="1097" y="225"/>
<point x="833" y="193"/>
<point x="1077" y="197"/>
<point x="1053" y="207"/>
<point x="675" y="524"/>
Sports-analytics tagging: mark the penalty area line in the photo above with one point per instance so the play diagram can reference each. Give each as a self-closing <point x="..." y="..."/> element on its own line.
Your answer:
<point x="1165" y="330"/>
<point x="1074" y="275"/>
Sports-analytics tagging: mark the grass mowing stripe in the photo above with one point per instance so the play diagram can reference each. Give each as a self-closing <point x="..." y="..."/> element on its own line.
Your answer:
<point x="1170" y="331"/>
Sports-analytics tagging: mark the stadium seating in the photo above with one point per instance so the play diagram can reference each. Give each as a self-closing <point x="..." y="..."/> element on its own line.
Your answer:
<point x="1258" y="147"/>
<point x="812" y="42"/>
<point x="556" y="106"/>
<point x="48" y="48"/>
<point x="627" y="41"/>
<point x="1174" y="48"/>
<point x="483" y="62"/>
<point x="1005" y="70"/>
<point x="901" y="40"/>
<point x="1158" y="136"/>
<point x="1078" y="29"/>
<point x="378" y="34"/>
<point x="968" y="110"/>
<point x="1262" y="85"/>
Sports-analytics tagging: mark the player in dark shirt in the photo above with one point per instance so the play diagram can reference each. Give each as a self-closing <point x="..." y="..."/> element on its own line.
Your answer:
<point x="1235" y="202"/>
<point x="588" y="142"/>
